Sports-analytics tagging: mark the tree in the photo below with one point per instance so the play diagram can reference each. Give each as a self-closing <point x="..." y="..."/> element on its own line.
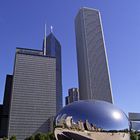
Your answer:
<point x="13" y="137"/>
<point x="139" y="137"/>
<point x="4" y="138"/>
<point x="133" y="136"/>
<point x="30" y="138"/>
<point x="40" y="136"/>
<point x="50" y="136"/>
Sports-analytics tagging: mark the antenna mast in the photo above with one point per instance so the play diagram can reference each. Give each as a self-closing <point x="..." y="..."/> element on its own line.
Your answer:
<point x="45" y="49"/>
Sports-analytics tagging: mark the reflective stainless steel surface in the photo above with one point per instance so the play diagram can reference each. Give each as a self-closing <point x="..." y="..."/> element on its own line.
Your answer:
<point x="91" y="120"/>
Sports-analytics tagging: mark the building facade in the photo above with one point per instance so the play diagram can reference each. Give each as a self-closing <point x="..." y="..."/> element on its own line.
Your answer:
<point x="36" y="90"/>
<point x="135" y="121"/>
<point x="1" y="117"/>
<point x="73" y="95"/>
<point x="33" y="93"/>
<point x="53" y="48"/>
<point x="6" y="107"/>
<point x="93" y="71"/>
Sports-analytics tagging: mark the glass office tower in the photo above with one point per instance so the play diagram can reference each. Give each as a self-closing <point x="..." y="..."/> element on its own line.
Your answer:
<point x="53" y="49"/>
<point x="93" y="72"/>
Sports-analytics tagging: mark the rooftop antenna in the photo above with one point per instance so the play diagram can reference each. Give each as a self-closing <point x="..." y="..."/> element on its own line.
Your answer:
<point x="51" y="29"/>
<point x="45" y="49"/>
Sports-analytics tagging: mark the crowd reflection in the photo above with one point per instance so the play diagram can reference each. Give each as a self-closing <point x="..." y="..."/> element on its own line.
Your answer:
<point x="67" y="122"/>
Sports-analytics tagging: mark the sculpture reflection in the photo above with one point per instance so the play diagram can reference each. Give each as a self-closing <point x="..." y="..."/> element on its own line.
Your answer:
<point x="93" y="120"/>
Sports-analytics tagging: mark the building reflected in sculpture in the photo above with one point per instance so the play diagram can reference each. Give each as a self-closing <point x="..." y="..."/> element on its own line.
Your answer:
<point x="91" y="120"/>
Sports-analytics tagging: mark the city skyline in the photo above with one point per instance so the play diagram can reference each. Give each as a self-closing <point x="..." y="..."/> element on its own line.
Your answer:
<point x="123" y="68"/>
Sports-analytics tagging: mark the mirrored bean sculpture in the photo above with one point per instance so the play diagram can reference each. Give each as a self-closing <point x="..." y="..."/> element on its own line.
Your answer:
<point x="91" y="120"/>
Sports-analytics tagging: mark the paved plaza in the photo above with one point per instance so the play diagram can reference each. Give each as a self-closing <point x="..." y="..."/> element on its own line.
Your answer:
<point x="94" y="135"/>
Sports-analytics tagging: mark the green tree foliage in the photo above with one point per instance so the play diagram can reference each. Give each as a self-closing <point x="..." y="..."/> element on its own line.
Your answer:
<point x="133" y="136"/>
<point x="4" y="138"/>
<point x="38" y="136"/>
<point x="139" y="137"/>
<point x="42" y="136"/>
<point x="30" y="138"/>
<point x="50" y="136"/>
<point x="13" y="137"/>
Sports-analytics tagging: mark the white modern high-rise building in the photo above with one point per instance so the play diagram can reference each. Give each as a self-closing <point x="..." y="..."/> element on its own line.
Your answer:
<point x="93" y="71"/>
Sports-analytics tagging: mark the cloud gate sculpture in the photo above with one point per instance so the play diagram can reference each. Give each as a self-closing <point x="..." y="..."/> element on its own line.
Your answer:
<point x="91" y="120"/>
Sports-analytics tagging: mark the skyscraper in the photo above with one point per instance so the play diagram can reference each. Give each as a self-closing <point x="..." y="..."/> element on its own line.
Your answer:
<point x="73" y="95"/>
<point x="36" y="95"/>
<point x="1" y="117"/>
<point x="93" y="72"/>
<point x="53" y="48"/>
<point x="33" y="93"/>
<point x="6" y="107"/>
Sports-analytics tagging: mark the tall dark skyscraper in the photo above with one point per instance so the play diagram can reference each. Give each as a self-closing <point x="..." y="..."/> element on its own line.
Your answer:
<point x="93" y="71"/>
<point x="6" y="106"/>
<point x="34" y="93"/>
<point x="53" y="48"/>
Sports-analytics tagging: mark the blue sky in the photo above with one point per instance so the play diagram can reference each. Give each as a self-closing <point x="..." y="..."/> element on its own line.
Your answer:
<point x="22" y="25"/>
